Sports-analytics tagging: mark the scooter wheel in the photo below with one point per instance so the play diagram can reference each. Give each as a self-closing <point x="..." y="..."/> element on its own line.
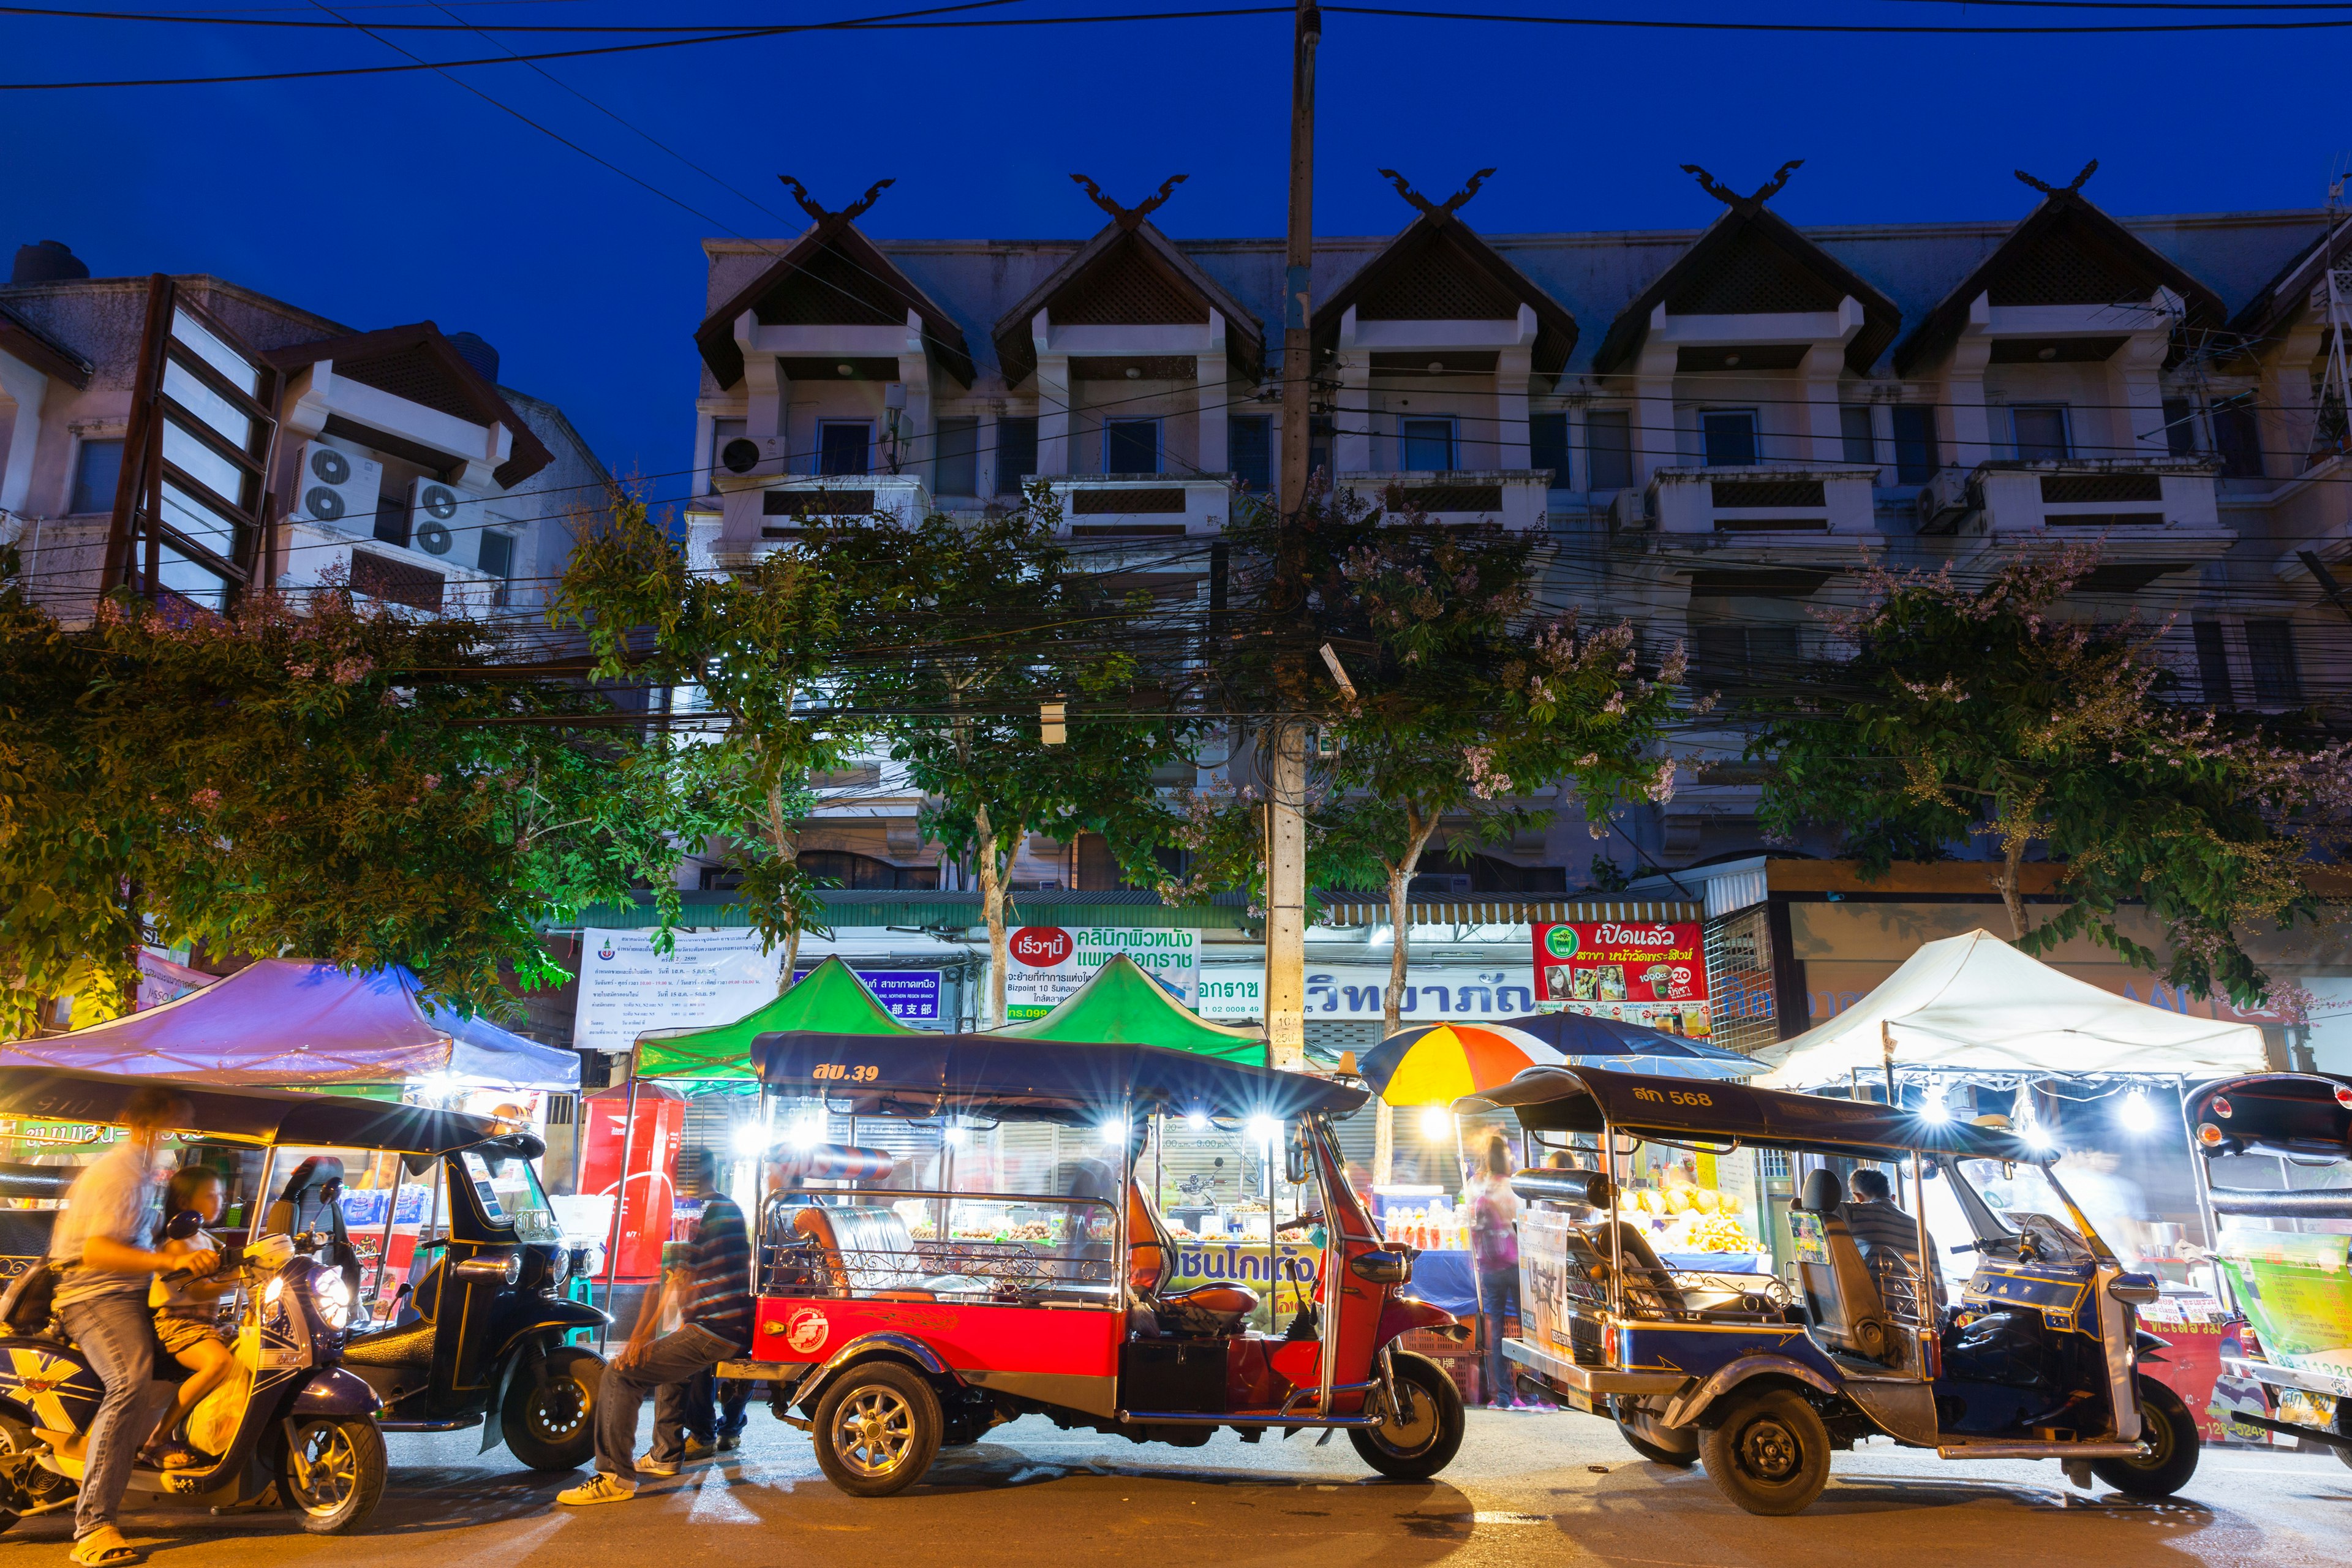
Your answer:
<point x="2170" y="1433"/>
<point x="878" y="1428"/>
<point x="1423" y="1440"/>
<point x="1770" y="1454"/>
<point x="330" y="1472"/>
<point x="549" y="1418"/>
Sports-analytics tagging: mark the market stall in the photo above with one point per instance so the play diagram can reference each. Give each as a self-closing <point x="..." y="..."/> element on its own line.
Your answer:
<point x="1970" y="1029"/>
<point x="1121" y="1004"/>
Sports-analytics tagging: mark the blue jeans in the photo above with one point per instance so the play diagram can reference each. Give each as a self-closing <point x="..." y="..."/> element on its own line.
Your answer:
<point x="1498" y="1294"/>
<point x="118" y="1334"/>
<point x="668" y="1370"/>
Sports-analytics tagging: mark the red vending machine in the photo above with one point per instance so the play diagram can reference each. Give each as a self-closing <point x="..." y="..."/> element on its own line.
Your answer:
<point x="649" y="1194"/>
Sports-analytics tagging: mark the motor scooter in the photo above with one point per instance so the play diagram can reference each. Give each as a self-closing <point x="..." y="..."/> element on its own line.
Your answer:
<point x="290" y="1416"/>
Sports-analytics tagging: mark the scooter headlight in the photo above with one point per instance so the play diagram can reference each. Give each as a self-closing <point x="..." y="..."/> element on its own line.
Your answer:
<point x="334" y="1296"/>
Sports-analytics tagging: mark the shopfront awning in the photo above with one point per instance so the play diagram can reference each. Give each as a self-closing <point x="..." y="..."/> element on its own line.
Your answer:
<point x="828" y="1000"/>
<point x="1121" y="1004"/>
<point x="1973" y="1003"/>
<point x="284" y="1023"/>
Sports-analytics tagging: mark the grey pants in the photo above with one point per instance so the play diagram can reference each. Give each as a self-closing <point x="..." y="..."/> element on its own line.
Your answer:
<point x="118" y="1334"/>
<point x="667" y="1370"/>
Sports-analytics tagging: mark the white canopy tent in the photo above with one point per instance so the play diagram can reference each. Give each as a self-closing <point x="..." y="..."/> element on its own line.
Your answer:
<point x="1974" y="1003"/>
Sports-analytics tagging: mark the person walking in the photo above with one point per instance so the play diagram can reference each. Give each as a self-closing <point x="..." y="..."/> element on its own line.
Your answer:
<point x="1495" y="1253"/>
<point x="714" y="1325"/>
<point x="102" y="1251"/>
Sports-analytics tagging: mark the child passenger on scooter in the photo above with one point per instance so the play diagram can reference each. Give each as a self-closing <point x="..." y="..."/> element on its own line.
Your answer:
<point x="185" y="1311"/>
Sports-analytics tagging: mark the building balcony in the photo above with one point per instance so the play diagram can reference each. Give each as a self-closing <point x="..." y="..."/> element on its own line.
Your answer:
<point x="757" y="509"/>
<point x="389" y="573"/>
<point x="1516" y="497"/>
<point x="1764" y="497"/>
<point x="2120" y="497"/>
<point x="1141" y="506"/>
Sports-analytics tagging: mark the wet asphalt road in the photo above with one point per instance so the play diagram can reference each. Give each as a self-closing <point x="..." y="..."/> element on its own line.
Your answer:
<point x="1528" y="1487"/>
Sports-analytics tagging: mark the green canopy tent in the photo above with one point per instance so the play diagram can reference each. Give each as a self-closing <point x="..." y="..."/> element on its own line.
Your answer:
<point x="1122" y="1005"/>
<point x="828" y="999"/>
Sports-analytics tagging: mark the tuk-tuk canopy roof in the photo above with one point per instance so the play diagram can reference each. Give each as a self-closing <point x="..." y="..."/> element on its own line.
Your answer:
<point x="829" y="999"/>
<point x="285" y="1022"/>
<point x="2292" y="1113"/>
<point x="1121" y="1004"/>
<point x="1579" y="1099"/>
<point x="1076" y="1082"/>
<point x="245" y="1115"/>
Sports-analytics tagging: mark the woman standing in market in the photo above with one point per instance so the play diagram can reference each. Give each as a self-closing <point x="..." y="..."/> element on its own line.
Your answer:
<point x="1495" y="1253"/>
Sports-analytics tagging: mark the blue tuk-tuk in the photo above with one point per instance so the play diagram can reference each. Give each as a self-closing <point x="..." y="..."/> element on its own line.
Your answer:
<point x="1760" y="1376"/>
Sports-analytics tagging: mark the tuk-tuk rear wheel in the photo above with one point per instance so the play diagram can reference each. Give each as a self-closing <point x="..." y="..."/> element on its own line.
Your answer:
<point x="1771" y="1453"/>
<point x="877" y="1427"/>
<point x="2170" y="1433"/>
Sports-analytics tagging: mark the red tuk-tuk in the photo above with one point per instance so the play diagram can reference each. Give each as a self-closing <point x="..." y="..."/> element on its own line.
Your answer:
<point x="896" y="1322"/>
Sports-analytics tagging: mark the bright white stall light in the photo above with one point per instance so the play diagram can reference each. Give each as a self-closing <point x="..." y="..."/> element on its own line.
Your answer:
<point x="750" y="1140"/>
<point x="1197" y="1122"/>
<point x="1264" y="1130"/>
<point x="1436" y="1122"/>
<point x="1932" y="1106"/>
<point x="807" y="1133"/>
<point x="1113" y="1132"/>
<point x="2138" y="1115"/>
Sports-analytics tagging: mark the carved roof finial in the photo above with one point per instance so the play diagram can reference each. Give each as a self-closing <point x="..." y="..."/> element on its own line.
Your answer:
<point x="849" y="213"/>
<point x="1732" y="198"/>
<point x="1131" y="217"/>
<point x="2049" y="190"/>
<point x="1422" y="203"/>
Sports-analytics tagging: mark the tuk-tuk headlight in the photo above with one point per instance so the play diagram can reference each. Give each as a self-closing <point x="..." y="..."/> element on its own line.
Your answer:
<point x="328" y="1289"/>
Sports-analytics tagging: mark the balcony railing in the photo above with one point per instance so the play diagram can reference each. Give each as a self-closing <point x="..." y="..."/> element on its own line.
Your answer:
<point x="2008" y="497"/>
<point x="1141" y="506"/>
<point x="1764" y="497"/>
<point x="1516" y="497"/>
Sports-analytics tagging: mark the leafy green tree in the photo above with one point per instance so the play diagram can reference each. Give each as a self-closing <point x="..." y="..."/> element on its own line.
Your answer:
<point x="1958" y="712"/>
<point x="343" y="784"/>
<point x="756" y="648"/>
<point x="967" y="633"/>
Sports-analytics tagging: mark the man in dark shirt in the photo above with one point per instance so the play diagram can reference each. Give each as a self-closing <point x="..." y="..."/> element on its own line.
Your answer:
<point x="713" y="1295"/>
<point x="1879" y="1224"/>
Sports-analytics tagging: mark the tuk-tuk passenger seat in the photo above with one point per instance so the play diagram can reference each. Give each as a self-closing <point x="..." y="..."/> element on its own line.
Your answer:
<point x="870" y="1251"/>
<point x="1842" y="1300"/>
<point x="410" y="1345"/>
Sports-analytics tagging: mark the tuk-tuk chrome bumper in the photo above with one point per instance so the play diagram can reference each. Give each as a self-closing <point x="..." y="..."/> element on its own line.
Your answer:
<point x="1589" y="1379"/>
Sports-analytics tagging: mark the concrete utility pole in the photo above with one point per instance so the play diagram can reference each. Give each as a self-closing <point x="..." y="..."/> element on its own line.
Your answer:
<point x="1286" y="913"/>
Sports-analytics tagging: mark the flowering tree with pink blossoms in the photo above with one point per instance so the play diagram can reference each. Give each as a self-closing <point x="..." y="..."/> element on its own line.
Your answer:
<point x="1989" y="711"/>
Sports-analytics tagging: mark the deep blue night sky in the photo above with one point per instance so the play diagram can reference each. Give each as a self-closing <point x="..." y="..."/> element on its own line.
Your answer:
<point x="381" y="200"/>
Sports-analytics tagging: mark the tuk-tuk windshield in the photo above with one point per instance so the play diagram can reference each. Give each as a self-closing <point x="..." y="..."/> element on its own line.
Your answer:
<point x="2023" y="1199"/>
<point x="510" y="1194"/>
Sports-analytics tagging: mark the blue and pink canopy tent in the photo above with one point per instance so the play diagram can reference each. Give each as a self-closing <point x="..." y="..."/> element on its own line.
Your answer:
<point x="284" y="1023"/>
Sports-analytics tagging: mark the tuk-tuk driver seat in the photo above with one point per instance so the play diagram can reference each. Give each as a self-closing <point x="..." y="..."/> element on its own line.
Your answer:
<point x="1841" y="1295"/>
<point x="1201" y="1310"/>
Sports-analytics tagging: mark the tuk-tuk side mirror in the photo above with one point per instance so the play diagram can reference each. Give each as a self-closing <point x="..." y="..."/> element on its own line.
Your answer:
<point x="2134" y="1289"/>
<point x="1298" y="1163"/>
<point x="182" y="1226"/>
<point x="1384" y="1267"/>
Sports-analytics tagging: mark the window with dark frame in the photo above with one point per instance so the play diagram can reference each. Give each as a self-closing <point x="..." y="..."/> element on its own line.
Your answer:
<point x="496" y="558"/>
<point x="1016" y="452"/>
<point x="1608" y="449"/>
<point x="2270" y="652"/>
<point x="98" y="468"/>
<point x="1915" y="457"/>
<point x="955" y="468"/>
<point x="2179" y="428"/>
<point x="845" y="447"/>
<point x="1854" y="434"/>
<point x="1320" y="429"/>
<point x="2238" y="437"/>
<point x="2213" y="664"/>
<point x="1425" y="445"/>
<point x="1249" y="448"/>
<point x="392" y="521"/>
<point x="1729" y="437"/>
<point x="2038" y="432"/>
<point x="1547" y="447"/>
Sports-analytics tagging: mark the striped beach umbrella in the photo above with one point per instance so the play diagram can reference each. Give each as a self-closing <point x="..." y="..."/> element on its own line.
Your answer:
<point x="1437" y="1064"/>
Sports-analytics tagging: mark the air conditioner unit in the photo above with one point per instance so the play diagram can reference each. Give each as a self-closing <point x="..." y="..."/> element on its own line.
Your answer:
<point x="338" y="489"/>
<point x="748" y="454"/>
<point x="437" y="513"/>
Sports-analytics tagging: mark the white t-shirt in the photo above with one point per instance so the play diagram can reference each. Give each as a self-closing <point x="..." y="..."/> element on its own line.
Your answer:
<point x="117" y="1199"/>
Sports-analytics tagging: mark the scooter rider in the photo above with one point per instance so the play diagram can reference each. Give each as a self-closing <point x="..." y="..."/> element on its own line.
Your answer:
<point x="101" y="1252"/>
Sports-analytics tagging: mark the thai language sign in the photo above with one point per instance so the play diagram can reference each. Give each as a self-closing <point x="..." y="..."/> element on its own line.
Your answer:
<point x="1050" y="963"/>
<point x="909" y="996"/>
<point x="1651" y="972"/>
<point x="1337" y="992"/>
<point x="710" y="977"/>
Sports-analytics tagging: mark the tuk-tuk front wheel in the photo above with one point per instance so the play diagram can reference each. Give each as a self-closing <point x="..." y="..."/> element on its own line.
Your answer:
<point x="330" y="1472"/>
<point x="549" y="1420"/>
<point x="2170" y="1433"/>
<point x="1676" y="1445"/>
<point x="877" y="1427"/>
<point x="1420" y="1439"/>
<point x="1770" y="1454"/>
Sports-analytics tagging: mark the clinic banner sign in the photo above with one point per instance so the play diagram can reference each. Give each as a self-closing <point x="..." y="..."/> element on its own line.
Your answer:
<point x="1341" y="993"/>
<point x="1651" y="972"/>
<point x="1050" y="963"/>
<point x="708" y="978"/>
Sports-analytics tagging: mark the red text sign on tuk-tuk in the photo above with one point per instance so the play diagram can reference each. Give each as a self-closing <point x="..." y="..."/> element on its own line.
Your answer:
<point x="887" y="1327"/>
